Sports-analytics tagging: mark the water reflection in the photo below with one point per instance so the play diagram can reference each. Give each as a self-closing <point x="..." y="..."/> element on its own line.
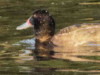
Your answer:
<point x="44" y="51"/>
<point x="73" y="55"/>
<point x="28" y="43"/>
<point x="43" y="71"/>
<point x="81" y="57"/>
<point x="25" y="61"/>
<point x="55" y="71"/>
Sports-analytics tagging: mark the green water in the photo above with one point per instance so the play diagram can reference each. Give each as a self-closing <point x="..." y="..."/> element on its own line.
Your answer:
<point x="65" y="12"/>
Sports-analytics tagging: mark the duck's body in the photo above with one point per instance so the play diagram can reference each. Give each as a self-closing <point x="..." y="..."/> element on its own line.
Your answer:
<point x="73" y="40"/>
<point x="78" y="37"/>
<point x="77" y="40"/>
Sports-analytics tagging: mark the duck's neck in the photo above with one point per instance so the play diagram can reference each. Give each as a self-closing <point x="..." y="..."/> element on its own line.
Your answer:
<point x="43" y="39"/>
<point x="44" y="32"/>
<point x="43" y="36"/>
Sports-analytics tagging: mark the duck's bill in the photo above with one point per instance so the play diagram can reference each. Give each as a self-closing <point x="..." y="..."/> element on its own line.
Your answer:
<point x="24" y="26"/>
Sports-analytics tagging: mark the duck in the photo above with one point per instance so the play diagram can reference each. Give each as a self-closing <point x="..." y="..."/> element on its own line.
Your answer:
<point x="69" y="43"/>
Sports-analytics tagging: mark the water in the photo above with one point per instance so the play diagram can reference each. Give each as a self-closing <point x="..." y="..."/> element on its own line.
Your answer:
<point x="16" y="57"/>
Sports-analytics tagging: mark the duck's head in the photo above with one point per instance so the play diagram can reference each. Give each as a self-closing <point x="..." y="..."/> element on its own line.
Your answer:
<point x="42" y="22"/>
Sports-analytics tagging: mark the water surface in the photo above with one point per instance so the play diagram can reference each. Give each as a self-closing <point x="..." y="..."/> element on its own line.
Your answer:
<point x="16" y="47"/>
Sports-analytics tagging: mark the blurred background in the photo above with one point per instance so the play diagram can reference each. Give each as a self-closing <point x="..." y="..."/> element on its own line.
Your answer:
<point x="65" y="12"/>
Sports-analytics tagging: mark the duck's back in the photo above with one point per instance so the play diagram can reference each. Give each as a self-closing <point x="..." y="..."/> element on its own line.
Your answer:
<point x="78" y="37"/>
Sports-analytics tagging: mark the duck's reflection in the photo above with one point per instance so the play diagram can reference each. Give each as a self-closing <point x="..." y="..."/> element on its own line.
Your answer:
<point x="45" y="50"/>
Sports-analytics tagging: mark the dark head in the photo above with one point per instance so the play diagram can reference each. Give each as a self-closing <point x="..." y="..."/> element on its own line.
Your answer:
<point x="44" y="25"/>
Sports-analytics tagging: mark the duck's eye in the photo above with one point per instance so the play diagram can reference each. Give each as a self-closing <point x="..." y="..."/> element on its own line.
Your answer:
<point x="34" y="21"/>
<point x="31" y="20"/>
